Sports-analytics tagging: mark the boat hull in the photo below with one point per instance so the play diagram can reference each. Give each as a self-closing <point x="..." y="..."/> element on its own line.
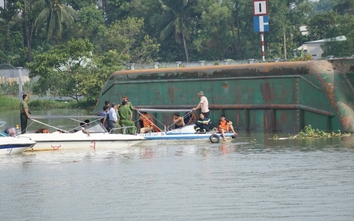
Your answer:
<point x="81" y="141"/>
<point x="15" y="145"/>
<point x="165" y="138"/>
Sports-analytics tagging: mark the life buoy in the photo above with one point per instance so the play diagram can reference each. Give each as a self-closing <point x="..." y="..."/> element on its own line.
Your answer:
<point x="214" y="138"/>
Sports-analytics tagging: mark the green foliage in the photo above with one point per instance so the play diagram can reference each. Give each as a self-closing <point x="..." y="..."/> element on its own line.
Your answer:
<point x="9" y="103"/>
<point x="341" y="48"/>
<point x="309" y="132"/>
<point x="320" y="24"/>
<point x="128" y="38"/>
<point x="215" y="39"/>
<point x="275" y="137"/>
<point x="321" y="6"/>
<point x="62" y="69"/>
<point x="9" y="88"/>
<point x="175" y="20"/>
<point x="305" y="57"/>
<point x="53" y="17"/>
<point x="143" y="31"/>
<point x="89" y="23"/>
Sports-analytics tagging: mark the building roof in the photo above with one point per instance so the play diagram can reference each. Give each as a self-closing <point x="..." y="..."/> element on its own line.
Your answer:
<point x="339" y="38"/>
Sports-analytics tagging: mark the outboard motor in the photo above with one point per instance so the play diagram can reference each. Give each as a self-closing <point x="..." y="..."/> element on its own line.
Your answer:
<point x="11" y="131"/>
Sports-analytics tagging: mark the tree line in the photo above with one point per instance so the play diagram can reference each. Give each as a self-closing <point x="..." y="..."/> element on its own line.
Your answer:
<point x="74" y="45"/>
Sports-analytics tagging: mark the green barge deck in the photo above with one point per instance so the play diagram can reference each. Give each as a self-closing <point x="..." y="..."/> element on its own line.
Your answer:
<point x="278" y="96"/>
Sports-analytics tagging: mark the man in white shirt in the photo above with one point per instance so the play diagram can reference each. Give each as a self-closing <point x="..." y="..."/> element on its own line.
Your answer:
<point x="203" y="104"/>
<point x="112" y="117"/>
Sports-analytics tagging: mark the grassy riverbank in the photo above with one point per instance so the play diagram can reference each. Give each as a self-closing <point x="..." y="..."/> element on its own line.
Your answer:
<point x="9" y="103"/>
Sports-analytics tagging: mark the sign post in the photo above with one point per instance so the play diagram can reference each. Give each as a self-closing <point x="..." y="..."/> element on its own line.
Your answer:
<point x="260" y="20"/>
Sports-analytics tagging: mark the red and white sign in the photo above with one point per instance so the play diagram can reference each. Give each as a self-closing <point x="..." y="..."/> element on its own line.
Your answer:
<point x="260" y="7"/>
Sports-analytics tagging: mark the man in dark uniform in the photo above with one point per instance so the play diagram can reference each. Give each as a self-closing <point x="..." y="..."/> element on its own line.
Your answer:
<point x="202" y="124"/>
<point x="24" y="113"/>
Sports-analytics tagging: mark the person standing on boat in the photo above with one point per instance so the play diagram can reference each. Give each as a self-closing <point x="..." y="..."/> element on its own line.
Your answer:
<point x="104" y="114"/>
<point x="225" y="126"/>
<point x="203" y="104"/>
<point x="112" y="116"/>
<point x="125" y="115"/>
<point x="129" y="105"/>
<point x="24" y="113"/>
<point x="178" y="121"/>
<point x="202" y="124"/>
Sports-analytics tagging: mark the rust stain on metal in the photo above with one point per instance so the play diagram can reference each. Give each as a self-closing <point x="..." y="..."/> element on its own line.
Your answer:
<point x="218" y="70"/>
<point x="328" y="87"/>
<point x="346" y="120"/>
<point x="171" y="94"/>
<point x="266" y="92"/>
<point x="157" y="94"/>
<point x="283" y="117"/>
<point x="225" y="85"/>
<point x="266" y="123"/>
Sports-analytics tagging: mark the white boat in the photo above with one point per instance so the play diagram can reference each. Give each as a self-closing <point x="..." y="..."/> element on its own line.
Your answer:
<point x="13" y="144"/>
<point x="75" y="138"/>
<point x="183" y="135"/>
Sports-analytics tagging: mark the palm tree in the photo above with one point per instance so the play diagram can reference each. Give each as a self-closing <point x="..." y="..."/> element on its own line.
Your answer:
<point x="175" y="19"/>
<point x="53" y="15"/>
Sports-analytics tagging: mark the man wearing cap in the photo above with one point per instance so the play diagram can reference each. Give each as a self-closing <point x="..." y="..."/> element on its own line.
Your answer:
<point x="203" y="104"/>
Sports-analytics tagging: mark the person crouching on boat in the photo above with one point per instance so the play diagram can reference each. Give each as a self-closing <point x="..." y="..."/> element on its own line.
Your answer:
<point x="225" y="126"/>
<point x="178" y="121"/>
<point x="125" y="115"/>
<point x="83" y="126"/>
<point x="147" y="123"/>
<point x="202" y="124"/>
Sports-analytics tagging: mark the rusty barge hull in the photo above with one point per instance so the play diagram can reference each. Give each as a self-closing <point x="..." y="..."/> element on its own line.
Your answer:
<point x="281" y="96"/>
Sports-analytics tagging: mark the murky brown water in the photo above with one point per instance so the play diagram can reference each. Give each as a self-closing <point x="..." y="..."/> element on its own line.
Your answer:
<point x="252" y="179"/>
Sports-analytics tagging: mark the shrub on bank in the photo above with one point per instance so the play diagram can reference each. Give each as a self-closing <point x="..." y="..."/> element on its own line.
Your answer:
<point x="9" y="103"/>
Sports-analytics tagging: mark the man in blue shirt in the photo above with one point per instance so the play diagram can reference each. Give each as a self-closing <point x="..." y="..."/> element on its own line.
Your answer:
<point x="105" y="117"/>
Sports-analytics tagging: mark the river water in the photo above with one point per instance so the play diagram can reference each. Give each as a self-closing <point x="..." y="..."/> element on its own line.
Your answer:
<point x="252" y="178"/>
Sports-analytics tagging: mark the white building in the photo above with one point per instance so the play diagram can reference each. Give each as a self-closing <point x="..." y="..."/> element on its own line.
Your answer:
<point x="314" y="47"/>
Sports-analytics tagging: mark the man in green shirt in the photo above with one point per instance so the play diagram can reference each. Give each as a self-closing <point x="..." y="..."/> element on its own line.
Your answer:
<point x="24" y="113"/>
<point x="125" y="115"/>
<point x="130" y="106"/>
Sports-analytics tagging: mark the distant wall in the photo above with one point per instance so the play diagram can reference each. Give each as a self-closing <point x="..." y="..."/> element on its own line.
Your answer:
<point x="12" y="75"/>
